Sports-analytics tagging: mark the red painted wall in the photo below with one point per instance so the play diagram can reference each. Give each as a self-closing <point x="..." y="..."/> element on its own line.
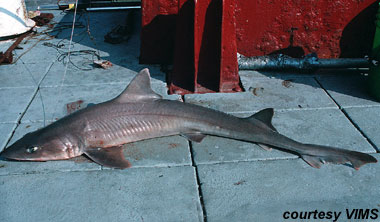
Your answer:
<point x="329" y="28"/>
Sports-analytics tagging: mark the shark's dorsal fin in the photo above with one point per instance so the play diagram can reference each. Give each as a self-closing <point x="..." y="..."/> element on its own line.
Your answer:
<point x="139" y="89"/>
<point x="264" y="116"/>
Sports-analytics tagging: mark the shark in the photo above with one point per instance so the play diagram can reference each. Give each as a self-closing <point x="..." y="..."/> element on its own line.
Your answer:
<point x="138" y="113"/>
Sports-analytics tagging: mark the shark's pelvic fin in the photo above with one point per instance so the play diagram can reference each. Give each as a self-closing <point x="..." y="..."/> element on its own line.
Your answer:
<point x="264" y="147"/>
<point x="194" y="137"/>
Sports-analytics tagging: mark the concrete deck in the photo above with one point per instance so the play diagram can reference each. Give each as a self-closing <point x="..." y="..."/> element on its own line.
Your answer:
<point x="171" y="178"/>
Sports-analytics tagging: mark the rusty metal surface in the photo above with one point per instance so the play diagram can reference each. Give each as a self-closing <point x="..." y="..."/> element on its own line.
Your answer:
<point x="190" y="34"/>
<point x="7" y="56"/>
<point x="331" y="29"/>
<point x="229" y="78"/>
<point x="205" y="50"/>
<point x="158" y="31"/>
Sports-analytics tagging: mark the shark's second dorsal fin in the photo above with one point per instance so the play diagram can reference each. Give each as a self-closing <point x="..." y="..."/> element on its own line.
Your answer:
<point x="139" y="89"/>
<point x="264" y="116"/>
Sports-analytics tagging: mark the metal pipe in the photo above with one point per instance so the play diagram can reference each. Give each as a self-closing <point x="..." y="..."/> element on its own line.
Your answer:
<point x="94" y="5"/>
<point x="309" y="62"/>
<point x="113" y="8"/>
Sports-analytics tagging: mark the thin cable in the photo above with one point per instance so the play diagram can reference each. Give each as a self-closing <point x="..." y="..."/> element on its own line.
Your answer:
<point x="68" y="56"/>
<point x="38" y="84"/>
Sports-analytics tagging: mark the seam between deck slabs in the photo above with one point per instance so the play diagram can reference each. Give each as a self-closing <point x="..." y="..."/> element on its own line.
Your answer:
<point x="31" y="100"/>
<point x="203" y="212"/>
<point x="200" y="193"/>
<point x="349" y="118"/>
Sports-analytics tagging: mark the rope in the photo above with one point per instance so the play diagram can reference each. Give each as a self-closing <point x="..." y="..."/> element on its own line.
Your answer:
<point x="68" y="56"/>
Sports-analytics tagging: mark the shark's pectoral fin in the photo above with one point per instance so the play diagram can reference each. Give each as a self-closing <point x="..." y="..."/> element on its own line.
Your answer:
<point x="109" y="157"/>
<point x="264" y="116"/>
<point x="194" y="137"/>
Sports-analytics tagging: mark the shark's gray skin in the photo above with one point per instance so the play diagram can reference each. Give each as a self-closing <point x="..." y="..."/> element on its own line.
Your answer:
<point x="139" y="113"/>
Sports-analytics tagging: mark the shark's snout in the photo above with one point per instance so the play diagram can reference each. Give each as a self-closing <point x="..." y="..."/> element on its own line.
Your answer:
<point x="6" y="154"/>
<point x="2" y="155"/>
<point x="37" y="147"/>
<point x="9" y="153"/>
<point x="12" y="153"/>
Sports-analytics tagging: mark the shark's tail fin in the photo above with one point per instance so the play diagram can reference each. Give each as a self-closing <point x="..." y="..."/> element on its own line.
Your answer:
<point x="318" y="155"/>
<point x="314" y="155"/>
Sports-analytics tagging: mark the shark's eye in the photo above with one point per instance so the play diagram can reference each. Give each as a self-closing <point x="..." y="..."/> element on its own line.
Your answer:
<point x="32" y="149"/>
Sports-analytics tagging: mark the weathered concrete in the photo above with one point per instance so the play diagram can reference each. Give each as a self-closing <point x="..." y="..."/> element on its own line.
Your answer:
<point x="265" y="92"/>
<point x="145" y="194"/>
<point x="264" y="190"/>
<point x="14" y="102"/>
<point x="368" y="121"/>
<point x="116" y="74"/>
<point x="6" y="130"/>
<point x="348" y="90"/>
<point x="20" y="76"/>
